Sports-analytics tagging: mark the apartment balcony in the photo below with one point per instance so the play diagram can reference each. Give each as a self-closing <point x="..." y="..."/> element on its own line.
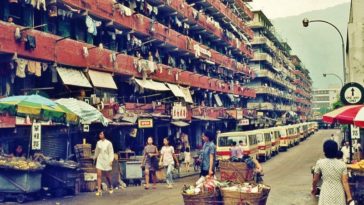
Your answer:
<point x="273" y="92"/>
<point x="203" y="22"/>
<point x="263" y="57"/>
<point x="273" y="77"/>
<point x="267" y="106"/>
<point x="219" y="10"/>
<point x="71" y="53"/>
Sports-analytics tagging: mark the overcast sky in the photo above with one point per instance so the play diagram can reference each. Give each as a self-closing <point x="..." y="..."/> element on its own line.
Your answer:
<point x="282" y="8"/>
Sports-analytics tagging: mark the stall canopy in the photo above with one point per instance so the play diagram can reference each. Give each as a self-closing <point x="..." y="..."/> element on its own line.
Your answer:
<point x="102" y="79"/>
<point x="152" y="85"/>
<point x="83" y="110"/>
<point x="218" y="100"/>
<point x="73" y="77"/>
<point x="179" y="123"/>
<point x="176" y="90"/>
<point x="187" y="93"/>
<point x="205" y="118"/>
<point x="351" y="114"/>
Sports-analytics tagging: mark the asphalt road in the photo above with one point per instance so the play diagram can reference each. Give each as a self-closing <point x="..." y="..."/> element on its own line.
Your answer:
<point x="289" y="175"/>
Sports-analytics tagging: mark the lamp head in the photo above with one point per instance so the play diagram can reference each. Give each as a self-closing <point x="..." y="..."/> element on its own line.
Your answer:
<point x="305" y="22"/>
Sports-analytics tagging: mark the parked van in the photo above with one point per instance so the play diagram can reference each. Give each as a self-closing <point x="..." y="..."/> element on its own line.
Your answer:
<point x="249" y="139"/>
<point x="264" y="139"/>
<point x="275" y="139"/>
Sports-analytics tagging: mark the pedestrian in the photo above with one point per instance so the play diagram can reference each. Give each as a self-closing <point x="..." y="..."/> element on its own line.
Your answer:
<point x="346" y="152"/>
<point x="104" y="155"/>
<point x="150" y="163"/>
<point x="241" y="147"/>
<point x="334" y="175"/>
<point x="208" y="156"/>
<point x="19" y="151"/>
<point x="187" y="156"/>
<point x="168" y="159"/>
<point x="234" y="151"/>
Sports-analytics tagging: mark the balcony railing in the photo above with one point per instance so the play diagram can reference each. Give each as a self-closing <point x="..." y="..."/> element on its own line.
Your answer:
<point x="275" y="78"/>
<point x="263" y="57"/>
<point x="273" y="91"/>
<point x="271" y="106"/>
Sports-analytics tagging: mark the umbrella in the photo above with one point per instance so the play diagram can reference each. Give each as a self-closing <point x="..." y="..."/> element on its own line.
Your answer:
<point x="83" y="110"/>
<point x="37" y="106"/>
<point x="351" y="114"/>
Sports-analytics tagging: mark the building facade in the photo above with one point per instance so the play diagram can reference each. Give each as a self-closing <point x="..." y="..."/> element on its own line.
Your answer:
<point x="355" y="43"/>
<point x="282" y="89"/>
<point x="323" y="100"/>
<point x="156" y="67"/>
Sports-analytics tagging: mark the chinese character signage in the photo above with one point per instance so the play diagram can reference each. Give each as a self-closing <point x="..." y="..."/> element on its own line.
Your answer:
<point x="355" y="132"/>
<point x="244" y="122"/>
<point x="179" y="112"/>
<point x="36" y="136"/>
<point x="145" y="123"/>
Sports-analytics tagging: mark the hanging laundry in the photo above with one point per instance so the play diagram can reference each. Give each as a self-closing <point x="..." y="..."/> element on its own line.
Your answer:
<point x="149" y="8"/>
<point x="52" y="11"/>
<point x="54" y="74"/>
<point x="31" y="67"/>
<point x="38" y="69"/>
<point x="41" y="4"/>
<point x="92" y="25"/>
<point x="44" y="67"/>
<point x="20" y="69"/>
<point x="30" y="42"/>
<point x="124" y="10"/>
<point x="155" y="10"/>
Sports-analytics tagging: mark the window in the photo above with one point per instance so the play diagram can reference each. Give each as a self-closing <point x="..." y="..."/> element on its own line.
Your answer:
<point x="267" y="137"/>
<point x="227" y="141"/>
<point x="260" y="138"/>
<point x="253" y="139"/>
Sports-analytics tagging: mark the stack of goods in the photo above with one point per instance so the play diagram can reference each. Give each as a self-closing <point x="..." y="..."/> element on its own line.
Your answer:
<point x="84" y="158"/>
<point x="211" y="191"/>
<point x="246" y="193"/>
<point x="359" y="166"/>
<point x="237" y="171"/>
<point x="205" y="192"/>
<point x="21" y="164"/>
<point x="61" y="177"/>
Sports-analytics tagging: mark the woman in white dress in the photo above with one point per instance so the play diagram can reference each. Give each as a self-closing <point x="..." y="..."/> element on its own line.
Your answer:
<point x="334" y="175"/>
<point x="104" y="154"/>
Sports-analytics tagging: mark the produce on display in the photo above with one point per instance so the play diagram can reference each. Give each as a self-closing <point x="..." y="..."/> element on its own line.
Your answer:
<point x="357" y="166"/>
<point x="19" y="164"/>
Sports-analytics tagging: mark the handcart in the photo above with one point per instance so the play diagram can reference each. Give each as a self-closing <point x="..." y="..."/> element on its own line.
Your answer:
<point x="356" y="182"/>
<point x="131" y="171"/>
<point x="19" y="184"/>
<point x="61" y="180"/>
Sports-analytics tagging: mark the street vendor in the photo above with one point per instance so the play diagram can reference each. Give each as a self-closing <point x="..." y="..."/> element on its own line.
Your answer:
<point x="208" y="155"/>
<point x="252" y="163"/>
<point x="19" y="151"/>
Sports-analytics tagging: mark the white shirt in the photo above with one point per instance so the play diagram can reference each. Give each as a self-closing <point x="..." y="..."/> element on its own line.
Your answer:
<point x="346" y="153"/>
<point x="104" y="154"/>
<point x="167" y="153"/>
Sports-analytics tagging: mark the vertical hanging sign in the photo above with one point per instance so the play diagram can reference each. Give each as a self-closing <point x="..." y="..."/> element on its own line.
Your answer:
<point x="36" y="136"/>
<point x="355" y="132"/>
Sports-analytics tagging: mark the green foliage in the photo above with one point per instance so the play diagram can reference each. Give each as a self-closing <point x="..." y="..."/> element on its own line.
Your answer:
<point x="337" y="104"/>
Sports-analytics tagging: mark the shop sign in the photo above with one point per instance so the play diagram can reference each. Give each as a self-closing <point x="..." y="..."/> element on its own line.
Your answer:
<point x="235" y="113"/>
<point x="86" y="128"/>
<point x="7" y="122"/>
<point x="239" y="114"/>
<point x="243" y="122"/>
<point x="260" y="113"/>
<point x="179" y="112"/>
<point x="355" y="132"/>
<point x="36" y="136"/>
<point x="145" y="123"/>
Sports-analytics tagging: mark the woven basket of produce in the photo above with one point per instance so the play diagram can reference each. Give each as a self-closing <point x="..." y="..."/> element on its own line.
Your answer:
<point x="241" y="195"/>
<point x="83" y="151"/>
<point x="235" y="172"/>
<point x="203" y="198"/>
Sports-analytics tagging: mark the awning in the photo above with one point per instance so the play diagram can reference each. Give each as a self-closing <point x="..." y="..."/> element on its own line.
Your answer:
<point x="102" y="79"/>
<point x="231" y="97"/>
<point x="218" y="100"/>
<point x="180" y="123"/>
<point x="73" y="77"/>
<point x="176" y="90"/>
<point x="187" y="93"/>
<point x="152" y="85"/>
<point x="205" y="118"/>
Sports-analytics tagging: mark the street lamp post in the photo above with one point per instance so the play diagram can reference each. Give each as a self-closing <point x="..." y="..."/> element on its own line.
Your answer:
<point x="341" y="80"/>
<point x="306" y="23"/>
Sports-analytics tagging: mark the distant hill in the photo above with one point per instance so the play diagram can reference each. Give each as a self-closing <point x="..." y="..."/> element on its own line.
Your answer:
<point x="319" y="45"/>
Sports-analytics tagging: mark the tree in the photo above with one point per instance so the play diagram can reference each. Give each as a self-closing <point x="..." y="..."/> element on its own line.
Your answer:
<point x="337" y="104"/>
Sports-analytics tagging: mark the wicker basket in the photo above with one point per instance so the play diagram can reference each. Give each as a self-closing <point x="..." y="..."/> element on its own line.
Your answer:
<point x="83" y="151"/>
<point x="241" y="198"/>
<point x="86" y="162"/>
<point x="88" y="186"/>
<point x="235" y="172"/>
<point x="206" y="198"/>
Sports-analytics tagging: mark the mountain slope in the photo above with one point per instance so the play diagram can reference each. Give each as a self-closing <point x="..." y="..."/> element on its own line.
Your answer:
<point x="318" y="45"/>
